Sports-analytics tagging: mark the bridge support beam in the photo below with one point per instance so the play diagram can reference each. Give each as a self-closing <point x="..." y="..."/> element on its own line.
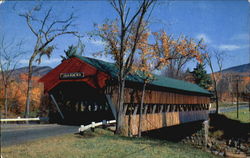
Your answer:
<point x="58" y="109"/>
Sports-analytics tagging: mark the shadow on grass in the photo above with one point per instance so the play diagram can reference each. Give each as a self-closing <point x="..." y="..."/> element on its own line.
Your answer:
<point x="174" y="133"/>
<point x="231" y="129"/>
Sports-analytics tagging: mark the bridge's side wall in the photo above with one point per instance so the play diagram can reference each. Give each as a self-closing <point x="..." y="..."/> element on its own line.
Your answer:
<point x="152" y="121"/>
<point x="161" y="108"/>
<point x="133" y="95"/>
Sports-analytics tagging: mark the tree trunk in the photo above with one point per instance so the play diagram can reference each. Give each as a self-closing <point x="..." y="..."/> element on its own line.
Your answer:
<point x="249" y="103"/>
<point x="27" y="108"/>
<point x="120" y="126"/>
<point x="141" y="107"/>
<point x="6" y="100"/>
<point x="216" y="94"/>
<point x="237" y="101"/>
<point x="216" y="101"/>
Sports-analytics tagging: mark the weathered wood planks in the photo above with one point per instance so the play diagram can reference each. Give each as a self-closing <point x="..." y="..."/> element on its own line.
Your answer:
<point x="165" y="119"/>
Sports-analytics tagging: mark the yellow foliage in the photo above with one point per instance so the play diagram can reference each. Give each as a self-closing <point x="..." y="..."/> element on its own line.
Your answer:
<point x="17" y="92"/>
<point x="150" y="55"/>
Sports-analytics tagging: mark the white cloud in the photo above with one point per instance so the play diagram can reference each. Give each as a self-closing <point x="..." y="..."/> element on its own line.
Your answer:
<point x="1" y="2"/>
<point x="242" y="36"/>
<point x="44" y="61"/>
<point x="24" y="61"/>
<point x="51" y="61"/>
<point x="231" y="47"/>
<point x="204" y="37"/>
<point x="98" y="42"/>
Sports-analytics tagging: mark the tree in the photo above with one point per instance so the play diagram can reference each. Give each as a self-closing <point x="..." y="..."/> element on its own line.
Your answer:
<point x="216" y="76"/>
<point x="74" y="50"/>
<point x="201" y="77"/>
<point x="175" y="68"/>
<point x="45" y="31"/>
<point x="158" y="55"/>
<point x="247" y="94"/>
<point x="121" y="37"/>
<point x="10" y="53"/>
<point x="127" y="38"/>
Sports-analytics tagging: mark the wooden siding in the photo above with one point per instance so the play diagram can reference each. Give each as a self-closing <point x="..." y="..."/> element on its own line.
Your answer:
<point x="158" y="97"/>
<point x="160" y="120"/>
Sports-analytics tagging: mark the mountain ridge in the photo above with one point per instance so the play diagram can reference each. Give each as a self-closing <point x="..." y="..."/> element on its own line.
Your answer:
<point x="244" y="68"/>
<point x="37" y="70"/>
<point x="40" y="71"/>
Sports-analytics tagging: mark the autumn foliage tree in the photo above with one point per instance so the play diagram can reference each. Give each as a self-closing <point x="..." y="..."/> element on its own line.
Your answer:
<point x="128" y="37"/>
<point x="10" y="53"/>
<point x="158" y="54"/>
<point x="121" y="37"/>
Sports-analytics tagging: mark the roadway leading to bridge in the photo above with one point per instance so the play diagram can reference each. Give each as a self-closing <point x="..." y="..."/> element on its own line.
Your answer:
<point x="221" y="110"/>
<point x="17" y="134"/>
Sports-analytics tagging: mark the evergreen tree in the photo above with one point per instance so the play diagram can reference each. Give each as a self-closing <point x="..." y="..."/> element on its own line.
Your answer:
<point x="73" y="51"/>
<point x="201" y="77"/>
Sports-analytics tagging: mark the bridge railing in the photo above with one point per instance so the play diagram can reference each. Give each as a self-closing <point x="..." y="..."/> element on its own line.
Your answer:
<point x="93" y="125"/>
<point x="19" y="119"/>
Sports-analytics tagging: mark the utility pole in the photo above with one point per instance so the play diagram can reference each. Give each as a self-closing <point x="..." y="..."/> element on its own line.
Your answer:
<point x="237" y="95"/>
<point x="238" y="79"/>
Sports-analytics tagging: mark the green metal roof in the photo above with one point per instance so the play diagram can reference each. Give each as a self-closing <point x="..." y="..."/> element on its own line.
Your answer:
<point x="112" y="70"/>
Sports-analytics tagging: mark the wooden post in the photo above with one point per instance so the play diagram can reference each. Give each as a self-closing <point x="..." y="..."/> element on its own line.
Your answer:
<point x="161" y="110"/>
<point x="146" y="109"/>
<point x="111" y="105"/>
<point x="249" y="103"/>
<point x="53" y="99"/>
<point x="237" y="93"/>
<point x="140" y="115"/>
<point x="154" y="107"/>
<point x="168" y="108"/>
<point x="125" y="108"/>
<point x="136" y="108"/>
<point x="205" y="128"/>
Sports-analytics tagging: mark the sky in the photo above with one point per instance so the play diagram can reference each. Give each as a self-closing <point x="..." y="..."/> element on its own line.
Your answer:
<point x="223" y="25"/>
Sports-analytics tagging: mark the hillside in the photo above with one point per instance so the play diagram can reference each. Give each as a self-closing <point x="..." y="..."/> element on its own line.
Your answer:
<point x="37" y="71"/>
<point x="241" y="69"/>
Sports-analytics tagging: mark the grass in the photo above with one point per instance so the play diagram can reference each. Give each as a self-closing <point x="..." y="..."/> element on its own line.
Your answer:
<point x="101" y="143"/>
<point x="244" y="115"/>
<point x="227" y="104"/>
<point x="226" y="126"/>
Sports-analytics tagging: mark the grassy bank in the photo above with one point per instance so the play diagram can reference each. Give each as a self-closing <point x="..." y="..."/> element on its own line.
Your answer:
<point x="244" y="115"/>
<point x="101" y="143"/>
<point x="227" y="104"/>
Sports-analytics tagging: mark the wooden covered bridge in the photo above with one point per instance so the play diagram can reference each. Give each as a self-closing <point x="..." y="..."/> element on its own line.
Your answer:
<point x="85" y="90"/>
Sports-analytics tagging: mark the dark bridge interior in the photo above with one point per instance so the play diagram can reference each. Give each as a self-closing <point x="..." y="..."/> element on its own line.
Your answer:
<point x="79" y="103"/>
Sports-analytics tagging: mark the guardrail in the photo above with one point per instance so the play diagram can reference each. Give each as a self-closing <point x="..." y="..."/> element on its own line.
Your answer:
<point x="93" y="125"/>
<point x="24" y="119"/>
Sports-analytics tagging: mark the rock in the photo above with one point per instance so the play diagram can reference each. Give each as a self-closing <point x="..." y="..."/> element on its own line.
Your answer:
<point x="238" y="151"/>
<point x="221" y="153"/>
<point x="242" y="147"/>
<point x="233" y="155"/>
<point x="229" y="142"/>
<point x="209" y="144"/>
<point x="215" y="152"/>
<point x="236" y="143"/>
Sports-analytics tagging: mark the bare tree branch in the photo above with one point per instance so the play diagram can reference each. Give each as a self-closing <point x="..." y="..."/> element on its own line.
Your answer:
<point x="48" y="32"/>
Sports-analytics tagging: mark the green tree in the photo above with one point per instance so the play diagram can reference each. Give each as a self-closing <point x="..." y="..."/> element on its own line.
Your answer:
<point x="201" y="77"/>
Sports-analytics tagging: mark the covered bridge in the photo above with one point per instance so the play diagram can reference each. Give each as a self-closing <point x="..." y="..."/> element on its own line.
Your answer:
<point x="85" y="89"/>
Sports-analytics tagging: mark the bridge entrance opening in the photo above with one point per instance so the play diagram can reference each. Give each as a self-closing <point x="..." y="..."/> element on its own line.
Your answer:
<point x="78" y="103"/>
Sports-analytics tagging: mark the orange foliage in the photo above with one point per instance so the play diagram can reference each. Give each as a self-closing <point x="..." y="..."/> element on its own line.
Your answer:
<point x="17" y="93"/>
<point x="150" y="54"/>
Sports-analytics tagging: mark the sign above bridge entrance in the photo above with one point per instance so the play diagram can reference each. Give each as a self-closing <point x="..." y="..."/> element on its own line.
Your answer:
<point x="72" y="75"/>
